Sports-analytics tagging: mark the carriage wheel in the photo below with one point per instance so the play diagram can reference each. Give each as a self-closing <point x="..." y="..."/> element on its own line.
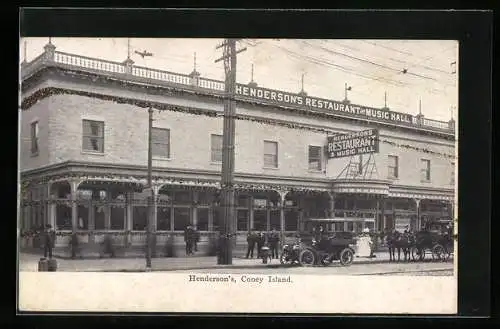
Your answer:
<point x="449" y="253"/>
<point x="346" y="257"/>
<point x="307" y="257"/>
<point x="438" y="252"/>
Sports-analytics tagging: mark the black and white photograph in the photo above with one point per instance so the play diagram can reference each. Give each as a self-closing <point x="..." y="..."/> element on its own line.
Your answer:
<point x="212" y="163"/>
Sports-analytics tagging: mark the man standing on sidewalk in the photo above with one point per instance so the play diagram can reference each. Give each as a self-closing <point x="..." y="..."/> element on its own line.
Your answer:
<point x="188" y="239"/>
<point x="251" y="240"/>
<point x="274" y="239"/>
<point x="48" y="241"/>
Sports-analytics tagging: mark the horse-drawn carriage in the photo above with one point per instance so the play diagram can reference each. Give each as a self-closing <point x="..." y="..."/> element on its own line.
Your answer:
<point x="436" y="239"/>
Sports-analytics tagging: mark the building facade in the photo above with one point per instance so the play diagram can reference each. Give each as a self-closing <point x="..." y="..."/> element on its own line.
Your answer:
<point x="84" y="144"/>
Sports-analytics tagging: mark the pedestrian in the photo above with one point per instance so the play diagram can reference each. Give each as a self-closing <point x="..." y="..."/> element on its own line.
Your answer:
<point x="196" y="238"/>
<point x="75" y="247"/>
<point x="107" y="247"/>
<point x="251" y="240"/>
<point x="188" y="239"/>
<point x="274" y="239"/>
<point x="48" y="241"/>
<point x="260" y="242"/>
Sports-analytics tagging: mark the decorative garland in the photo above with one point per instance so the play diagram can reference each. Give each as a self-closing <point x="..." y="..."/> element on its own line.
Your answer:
<point x="49" y="91"/>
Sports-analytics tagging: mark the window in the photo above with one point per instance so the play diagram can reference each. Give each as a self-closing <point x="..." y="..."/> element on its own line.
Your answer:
<point x="216" y="148"/>
<point x="314" y="157"/>
<point x="452" y="181"/>
<point x="270" y="154"/>
<point x="393" y="163"/>
<point x="242" y="220"/>
<point x="34" y="138"/>
<point x="163" y="219"/>
<point x="93" y="136"/>
<point x="425" y="173"/>
<point x="160" y="142"/>
<point x="182" y="218"/>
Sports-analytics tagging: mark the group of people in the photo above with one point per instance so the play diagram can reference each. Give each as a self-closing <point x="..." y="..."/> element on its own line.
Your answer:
<point x="260" y="239"/>
<point x="191" y="238"/>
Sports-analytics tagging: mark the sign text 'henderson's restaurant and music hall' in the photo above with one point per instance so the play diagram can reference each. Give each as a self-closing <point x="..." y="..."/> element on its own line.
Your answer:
<point x="344" y="145"/>
<point x="283" y="98"/>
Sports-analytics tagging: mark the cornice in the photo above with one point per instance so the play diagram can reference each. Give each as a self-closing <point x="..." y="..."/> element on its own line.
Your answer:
<point x="164" y="88"/>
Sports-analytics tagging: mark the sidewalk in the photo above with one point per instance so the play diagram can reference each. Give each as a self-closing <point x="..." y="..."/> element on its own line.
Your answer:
<point x="29" y="262"/>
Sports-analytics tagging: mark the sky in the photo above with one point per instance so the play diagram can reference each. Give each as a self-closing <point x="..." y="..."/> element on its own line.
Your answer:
<point x="372" y="68"/>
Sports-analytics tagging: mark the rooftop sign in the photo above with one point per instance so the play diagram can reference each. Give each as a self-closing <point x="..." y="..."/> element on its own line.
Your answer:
<point x="344" y="145"/>
<point x="284" y="98"/>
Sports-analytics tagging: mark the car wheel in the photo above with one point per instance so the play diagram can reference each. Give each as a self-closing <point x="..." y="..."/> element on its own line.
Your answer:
<point x="307" y="257"/>
<point x="284" y="259"/>
<point x="346" y="257"/>
<point x="326" y="260"/>
<point x="438" y="252"/>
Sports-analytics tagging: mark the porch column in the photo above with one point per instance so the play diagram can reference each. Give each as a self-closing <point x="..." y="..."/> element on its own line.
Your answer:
<point x="51" y="207"/>
<point x="250" y="212"/>
<point x="129" y="213"/>
<point x="452" y="209"/>
<point x="74" y="208"/>
<point x="417" y="204"/>
<point x="154" y="208"/>
<point x="91" y="217"/>
<point x="346" y="226"/>
<point x="210" y="219"/>
<point x="195" y="209"/>
<point x="382" y="213"/>
<point x="331" y="205"/>
<point x="268" y="215"/>
<point x="282" y="217"/>
<point x="300" y="217"/>
<point x="107" y="211"/>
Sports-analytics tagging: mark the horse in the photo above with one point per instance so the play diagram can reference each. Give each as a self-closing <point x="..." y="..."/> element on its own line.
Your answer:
<point x="397" y="241"/>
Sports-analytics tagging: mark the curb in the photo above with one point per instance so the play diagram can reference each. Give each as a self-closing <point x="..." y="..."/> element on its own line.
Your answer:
<point x="254" y="266"/>
<point x="412" y="271"/>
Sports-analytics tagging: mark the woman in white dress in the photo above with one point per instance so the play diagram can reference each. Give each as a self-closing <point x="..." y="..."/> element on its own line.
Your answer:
<point x="364" y="244"/>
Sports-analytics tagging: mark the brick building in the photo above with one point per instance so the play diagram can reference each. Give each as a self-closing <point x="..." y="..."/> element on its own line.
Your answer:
<point x="84" y="153"/>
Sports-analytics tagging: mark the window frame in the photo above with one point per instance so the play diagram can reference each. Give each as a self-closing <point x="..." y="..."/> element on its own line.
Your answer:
<point x="34" y="138"/>
<point x="153" y="142"/>
<point x="276" y="159"/>
<point x="426" y="169"/>
<point x="319" y="159"/>
<point x="395" y="167"/>
<point x="90" y="121"/>
<point x="212" y="151"/>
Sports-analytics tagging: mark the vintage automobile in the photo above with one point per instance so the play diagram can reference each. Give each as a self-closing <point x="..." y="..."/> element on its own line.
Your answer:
<point x="322" y="248"/>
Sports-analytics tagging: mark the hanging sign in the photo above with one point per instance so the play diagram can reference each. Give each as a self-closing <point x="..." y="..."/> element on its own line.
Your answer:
<point x="345" y="145"/>
<point x="287" y="99"/>
<point x="402" y="224"/>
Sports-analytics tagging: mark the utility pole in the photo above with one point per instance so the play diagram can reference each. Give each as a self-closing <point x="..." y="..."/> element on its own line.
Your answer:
<point x="225" y="256"/>
<point x="150" y="173"/>
<point x="150" y="186"/>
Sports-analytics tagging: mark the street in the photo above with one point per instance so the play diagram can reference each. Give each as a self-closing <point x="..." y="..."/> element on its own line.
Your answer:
<point x="428" y="268"/>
